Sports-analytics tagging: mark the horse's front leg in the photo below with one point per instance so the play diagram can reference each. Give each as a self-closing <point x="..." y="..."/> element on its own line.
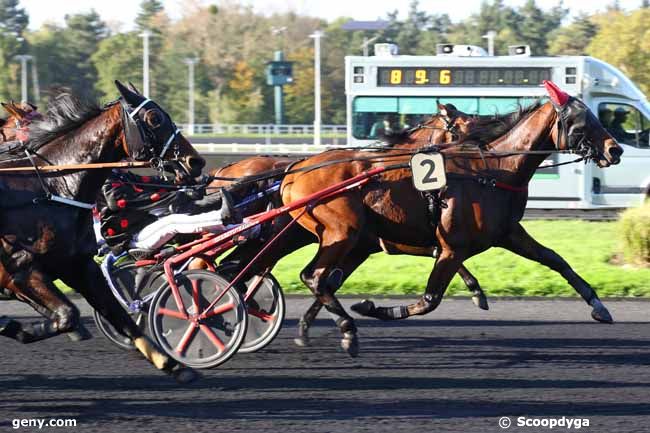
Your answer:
<point x="85" y="276"/>
<point x="520" y="242"/>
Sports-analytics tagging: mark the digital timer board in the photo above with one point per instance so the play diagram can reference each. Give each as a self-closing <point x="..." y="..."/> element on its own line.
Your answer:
<point x="442" y="77"/>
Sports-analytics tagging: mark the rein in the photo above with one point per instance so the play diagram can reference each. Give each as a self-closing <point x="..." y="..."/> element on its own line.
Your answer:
<point x="70" y="167"/>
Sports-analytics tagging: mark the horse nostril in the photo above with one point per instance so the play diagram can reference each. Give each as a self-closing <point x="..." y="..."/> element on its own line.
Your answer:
<point x="196" y="163"/>
<point x="616" y="152"/>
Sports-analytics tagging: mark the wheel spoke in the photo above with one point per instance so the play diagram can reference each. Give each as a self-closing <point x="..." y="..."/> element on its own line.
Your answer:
<point x="220" y="309"/>
<point x="189" y="333"/>
<point x="172" y="313"/>
<point x="260" y="314"/>
<point x="213" y="338"/>
<point x="195" y="295"/>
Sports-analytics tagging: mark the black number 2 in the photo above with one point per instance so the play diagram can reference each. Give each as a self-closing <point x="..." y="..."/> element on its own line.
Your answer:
<point x="432" y="166"/>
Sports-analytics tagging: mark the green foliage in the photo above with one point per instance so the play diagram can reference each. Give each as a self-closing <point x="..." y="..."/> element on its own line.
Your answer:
<point x="573" y="39"/>
<point x="635" y="235"/>
<point x="115" y="60"/>
<point x="148" y="10"/>
<point x="587" y="246"/>
<point x="624" y="41"/>
<point x="233" y="44"/>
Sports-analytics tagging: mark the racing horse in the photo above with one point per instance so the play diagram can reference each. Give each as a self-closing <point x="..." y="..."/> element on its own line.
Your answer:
<point x="45" y="218"/>
<point x="440" y="129"/>
<point x="485" y="199"/>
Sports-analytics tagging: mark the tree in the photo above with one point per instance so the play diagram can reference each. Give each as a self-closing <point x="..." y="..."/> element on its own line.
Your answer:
<point x="572" y="40"/>
<point x="13" y="23"/>
<point x="82" y="36"/>
<point x="117" y="59"/>
<point x="624" y="41"/>
<point x="148" y="10"/>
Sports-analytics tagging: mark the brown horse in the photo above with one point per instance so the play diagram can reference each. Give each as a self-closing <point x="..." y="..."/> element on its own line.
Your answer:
<point x="45" y="220"/>
<point x="442" y="128"/>
<point x="485" y="199"/>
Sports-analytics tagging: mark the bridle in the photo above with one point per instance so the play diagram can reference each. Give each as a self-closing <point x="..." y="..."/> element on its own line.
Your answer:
<point x="141" y="143"/>
<point x="573" y="138"/>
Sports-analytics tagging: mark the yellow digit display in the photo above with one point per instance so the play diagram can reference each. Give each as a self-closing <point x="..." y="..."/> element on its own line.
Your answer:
<point x="395" y="76"/>
<point x="445" y="76"/>
<point x="421" y="76"/>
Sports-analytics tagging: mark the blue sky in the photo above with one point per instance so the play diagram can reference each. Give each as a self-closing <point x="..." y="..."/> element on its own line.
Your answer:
<point x="120" y="13"/>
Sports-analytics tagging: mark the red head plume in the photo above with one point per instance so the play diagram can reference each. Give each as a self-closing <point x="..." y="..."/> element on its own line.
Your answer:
<point x="557" y="95"/>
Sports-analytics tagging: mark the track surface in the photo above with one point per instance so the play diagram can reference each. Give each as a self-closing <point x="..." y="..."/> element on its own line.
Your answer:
<point x="457" y="370"/>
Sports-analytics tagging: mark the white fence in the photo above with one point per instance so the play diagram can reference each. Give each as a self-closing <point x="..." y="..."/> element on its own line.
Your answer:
<point x="261" y="129"/>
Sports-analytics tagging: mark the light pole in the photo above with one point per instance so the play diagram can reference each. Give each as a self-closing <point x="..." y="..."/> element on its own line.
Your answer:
<point x="317" y="35"/>
<point x="490" y="35"/>
<point x="37" y="89"/>
<point x="366" y="43"/>
<point x="23" y="75"/>
<point x="146" y="34"/>
<point x="190" y="61"/>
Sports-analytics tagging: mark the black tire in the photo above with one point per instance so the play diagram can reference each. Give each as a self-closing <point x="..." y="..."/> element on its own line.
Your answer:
<point x="124" y="277"/>
<point x="209" y="342"/>
<point x="266" y="309"/>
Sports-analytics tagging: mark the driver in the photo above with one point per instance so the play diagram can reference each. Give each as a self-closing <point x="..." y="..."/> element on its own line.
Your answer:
<point x="616" y="126"/>
<point x="143" y="213"/>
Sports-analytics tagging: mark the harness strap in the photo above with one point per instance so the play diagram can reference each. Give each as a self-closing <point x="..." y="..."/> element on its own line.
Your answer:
<point x="139" y="107"/>
<point x="168" y="143"/>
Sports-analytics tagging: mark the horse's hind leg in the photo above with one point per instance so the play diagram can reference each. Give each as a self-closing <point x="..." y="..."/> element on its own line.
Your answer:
<point x="86" y="278"/>
<point x="38" y="290"/>
<point x="478" y="297"/>
<point x="443" y="271"/>
<point x="520" y="242"/>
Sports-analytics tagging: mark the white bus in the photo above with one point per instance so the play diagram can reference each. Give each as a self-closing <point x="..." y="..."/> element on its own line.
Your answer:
<point x="389" y="91"/>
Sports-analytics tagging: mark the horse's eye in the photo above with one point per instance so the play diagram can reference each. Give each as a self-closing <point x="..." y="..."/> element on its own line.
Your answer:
<point x="153" y="118"/>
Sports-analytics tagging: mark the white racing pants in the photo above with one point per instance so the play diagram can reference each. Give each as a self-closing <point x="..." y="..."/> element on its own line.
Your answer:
<point x="156" y="234"/>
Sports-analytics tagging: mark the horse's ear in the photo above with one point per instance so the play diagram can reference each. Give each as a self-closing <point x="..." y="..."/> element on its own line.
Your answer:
<point x="14" y="110"/>
<point x="558" y="96"/>
<point x="129" y="96"/>
<point x="132" y="87"/>
<point x="28" y="106"/>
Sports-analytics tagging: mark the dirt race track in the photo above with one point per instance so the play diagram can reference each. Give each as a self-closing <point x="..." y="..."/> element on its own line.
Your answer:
<point x="457" y="370"/>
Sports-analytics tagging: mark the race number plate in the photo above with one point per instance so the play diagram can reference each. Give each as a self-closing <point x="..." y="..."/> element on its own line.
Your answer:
<point x="428" y="171"/>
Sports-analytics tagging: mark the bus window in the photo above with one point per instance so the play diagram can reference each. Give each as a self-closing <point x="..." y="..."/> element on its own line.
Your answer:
<point x="625" y="123"/>
<point x="375" y="116"/>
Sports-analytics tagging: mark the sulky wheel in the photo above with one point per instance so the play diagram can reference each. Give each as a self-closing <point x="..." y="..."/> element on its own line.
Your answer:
<point x="265" y="307"/>
<point x="136" y="286"/>
<point x="194" y="341"/>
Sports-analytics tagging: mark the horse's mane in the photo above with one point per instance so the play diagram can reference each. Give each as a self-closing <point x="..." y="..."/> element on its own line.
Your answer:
<point x="486" y="129"/>
<point x="398" y="137"/>
<point x="65" y="112"/>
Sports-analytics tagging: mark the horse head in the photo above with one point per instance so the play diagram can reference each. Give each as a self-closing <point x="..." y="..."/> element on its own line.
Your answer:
<point x="20" y="115"/>
<point x="579" y="130"/>
<point x="150" y="134"/>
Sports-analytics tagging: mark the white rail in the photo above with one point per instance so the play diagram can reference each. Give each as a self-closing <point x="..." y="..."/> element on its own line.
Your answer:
<point x="261" y="129"/>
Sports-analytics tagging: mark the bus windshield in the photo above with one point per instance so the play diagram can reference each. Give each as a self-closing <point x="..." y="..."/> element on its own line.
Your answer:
<point x="375" y="116"/>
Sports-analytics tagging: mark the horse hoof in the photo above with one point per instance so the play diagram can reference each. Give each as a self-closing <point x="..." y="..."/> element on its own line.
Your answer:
<point x="365" y="307"/>
<point x="480" y="301"/>
<point x="350" y="343"/>
<point x="301" y="341"/>
<point x="185" y="375"/>
<point x="80" y="333"/>
<point x="601" y="314"/>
